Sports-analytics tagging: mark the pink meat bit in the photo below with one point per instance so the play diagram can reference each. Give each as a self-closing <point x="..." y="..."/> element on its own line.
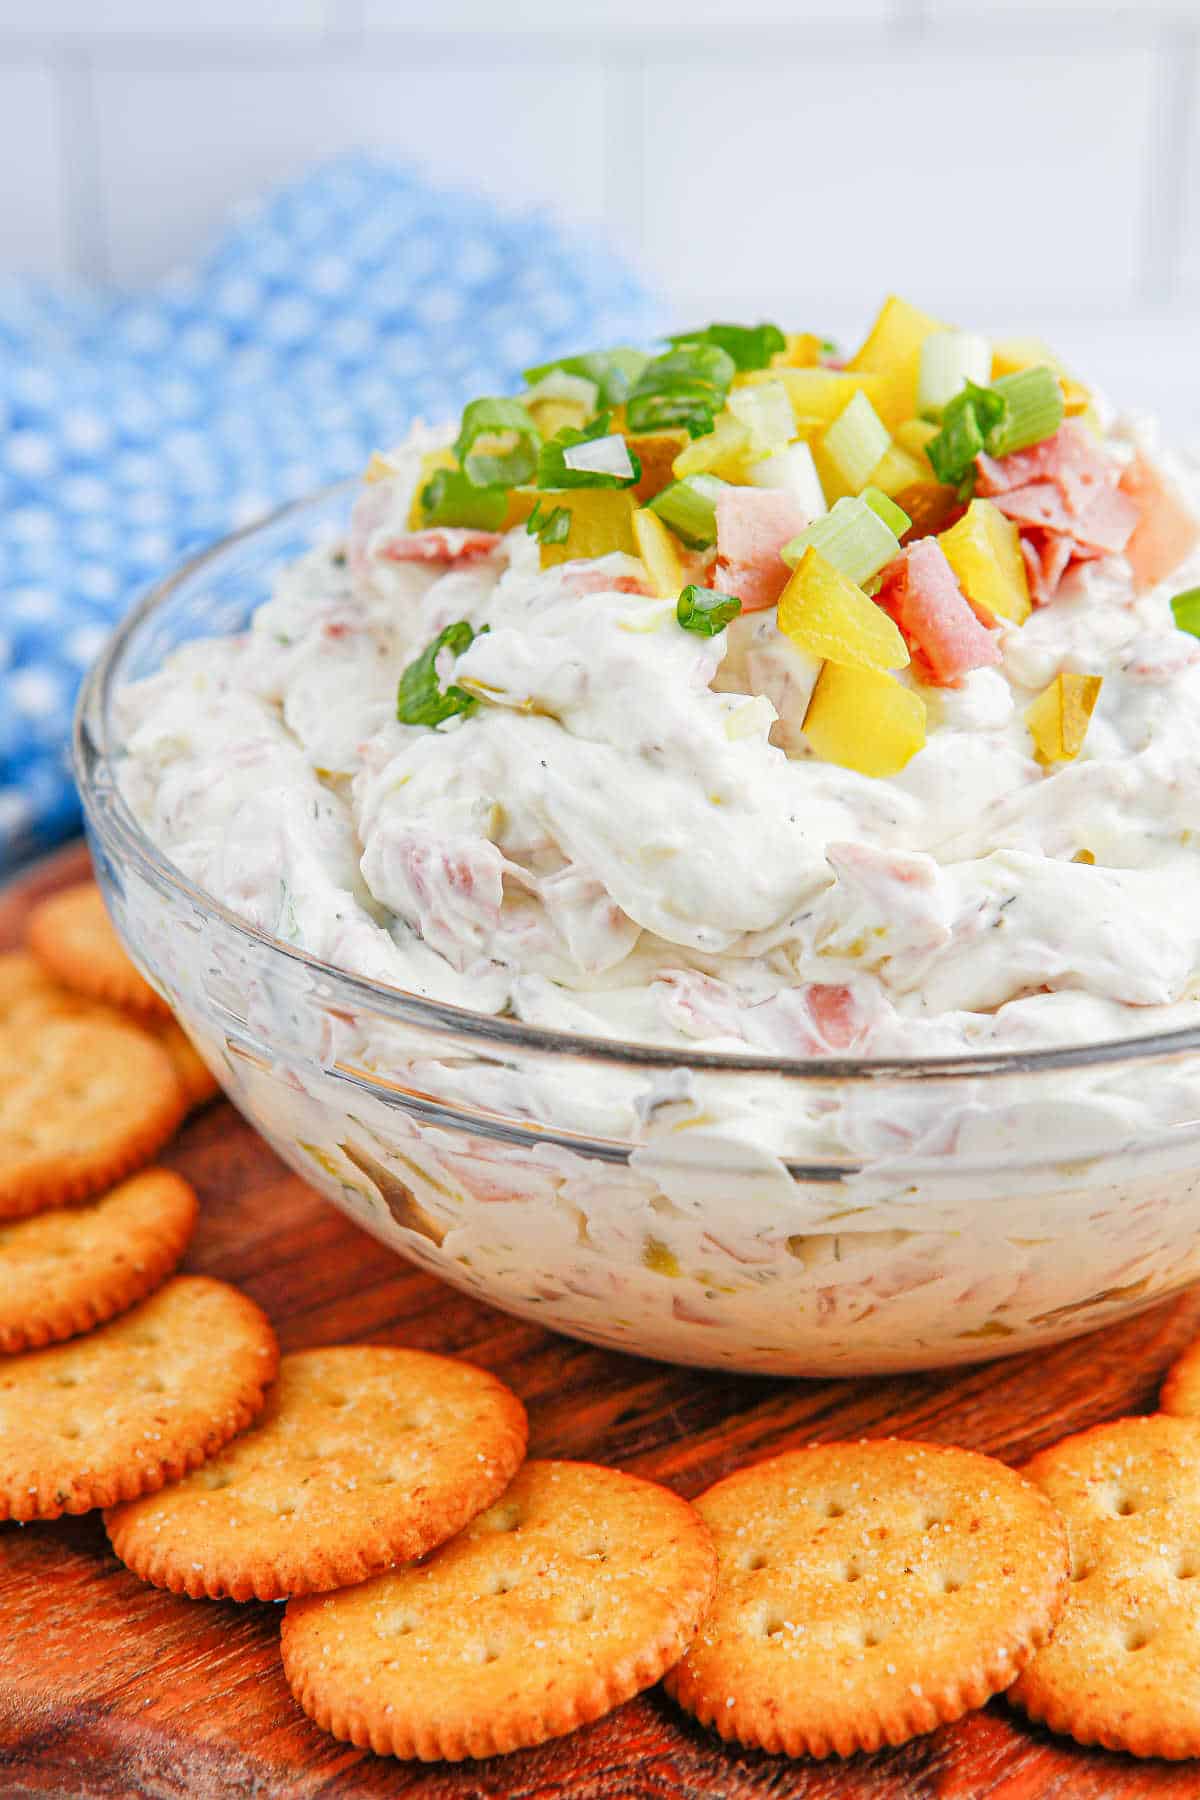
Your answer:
<point x="1064" y="497"/>
<point x="753" y="525"/>
<point x="441" y="544"/>
<point x="582" y="578"/>
<point x="945" y="639"/>
<point x="1167" y="529"/>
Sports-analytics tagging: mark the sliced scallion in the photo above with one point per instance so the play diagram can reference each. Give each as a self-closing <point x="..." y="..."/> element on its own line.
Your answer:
<point x="893" y="516"/>
<point x="689" y="508"/>
<point x="1185" y="609"/>
<point x="794" y="472"/>
<point x="613" y="371"/>
<point x="854" y="537"/>
<point x="750" y="346"/>
<point x="560" y="384"/>
<point x="553" y="527"/>
<point x="1033" y="401"/>
<point x="966" y="422"/>
<point x="949" y="359"/>
<point x="705" y="611"/>
<point x="448" y="498"/>
<point x="420" y="698"/>
<point x="594" y="457"/>
<point x="686" y="388"/>
<point x="497" y="466"/>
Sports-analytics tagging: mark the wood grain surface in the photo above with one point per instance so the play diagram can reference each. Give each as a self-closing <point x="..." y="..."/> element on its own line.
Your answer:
<point x="109" y="1688"/>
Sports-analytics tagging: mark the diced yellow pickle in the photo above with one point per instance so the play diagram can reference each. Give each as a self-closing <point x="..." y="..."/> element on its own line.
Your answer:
<point x="656" y="451"/>
<point x="913" y="435"/>
<point x="551" y="416"/>
<point x="893" y="348"/>
<point x="896" y="469"/>
<point x="431" y="462"/>
<point x="984" y="550"/>
<point x="723" y="451"/>
<point x="826" y="614"/>
<point x="659" y="551"/>
<point x="601" y="521"/>
<point x="803" y="351"/>
<point x="1058" y="719"/>
<point x="819" y="394"/>
<point x="851" y="448"/>
<point x="864" y="720"/>
<point x="1011" y="354"/>
<point x="521" y="502"/>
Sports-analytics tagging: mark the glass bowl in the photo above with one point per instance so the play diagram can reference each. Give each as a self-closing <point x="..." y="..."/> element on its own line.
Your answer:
<point x="824" y="1218"/>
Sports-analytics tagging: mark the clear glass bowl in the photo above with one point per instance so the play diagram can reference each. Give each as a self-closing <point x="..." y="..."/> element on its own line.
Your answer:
<point x="931" y="1213"/>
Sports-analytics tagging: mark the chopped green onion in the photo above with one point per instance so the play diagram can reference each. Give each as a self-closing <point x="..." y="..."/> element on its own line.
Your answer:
<point x="856" y="441"/>
<point x="448" y="498"/>
<point x="685" y="388"/>
<point x="966" y="422"/>
<point x="705" y="611"/>
<point x="613" y="371"/>
<point x="794" y="472"/>
<point x="854" y="537"/>
<point x="560" y="384"/>
<point x="420" y="698"/>
<point x="552" y="528"/>
<point x="596" y="457"/>
<point x="949" y="359"/>
<point x="497" y="418"/>
<point x="751" y="346"/>
<point x="689" y="508"/>
<point x="767" y="413"/>
<point x="1186" y="610"/>
<point x="1033" y="400"/>
<point x="893" y="516"/>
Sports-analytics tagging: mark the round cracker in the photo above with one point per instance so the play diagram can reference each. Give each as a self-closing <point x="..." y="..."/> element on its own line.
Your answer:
<point x="73" y="937"/>
<point x="365" y="1456"/>
<point x="570" y="1595"/>
<point x="83" y="1102"/>
<point x="1123" y="1668"/>
<point x="133" y="1405"/>
<point x="1181" y="1389"/>
<point x="68" y="1270"/>
<point x="867" y="1593"/>
<point x="195" y="1077"/>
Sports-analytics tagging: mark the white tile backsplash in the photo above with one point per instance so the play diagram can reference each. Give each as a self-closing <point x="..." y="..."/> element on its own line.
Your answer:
<point x="798" y="155"/>
<point x="34" y="232"/>
<point x="92" y="21"/>
<point x="176" y="149"/>
<point x="808" y="195"/>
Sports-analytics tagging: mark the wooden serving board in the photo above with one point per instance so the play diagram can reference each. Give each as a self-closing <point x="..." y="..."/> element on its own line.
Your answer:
<point x="109" y="1688"/>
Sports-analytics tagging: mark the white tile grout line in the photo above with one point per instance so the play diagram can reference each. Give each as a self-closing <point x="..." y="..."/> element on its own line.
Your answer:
<point x="83" y="197"/>
<point x="1167" y="171"/>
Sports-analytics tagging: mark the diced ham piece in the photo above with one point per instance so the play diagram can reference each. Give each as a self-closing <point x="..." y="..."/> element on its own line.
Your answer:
<point x="583" y="577"/>
<point x="921" y="594"/>
<point x="1046" y="557"/>
<point x="753" y="525"/>
<point x="441" y="544"/>
<point x="1167" y="529"/>
<point x="1064" y="497"/>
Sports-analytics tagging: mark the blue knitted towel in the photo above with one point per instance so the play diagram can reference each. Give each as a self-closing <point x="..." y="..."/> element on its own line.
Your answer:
<point x="136" y="428"/>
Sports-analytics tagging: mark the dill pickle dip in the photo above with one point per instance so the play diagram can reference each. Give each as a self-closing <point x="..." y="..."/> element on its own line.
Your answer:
<point x="739" y="699"/>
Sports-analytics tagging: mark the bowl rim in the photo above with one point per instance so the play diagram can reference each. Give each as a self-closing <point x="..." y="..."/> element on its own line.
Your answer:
<point x="109" y="817"/>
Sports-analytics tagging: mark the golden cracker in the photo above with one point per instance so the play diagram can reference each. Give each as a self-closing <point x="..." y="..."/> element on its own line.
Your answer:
<point x="83" y="1102"/>
<point x="567" y="1597"/>
<point x="364" y="1457"/>
<point x="1123" y="1668"/>
<point x="70" y="1269"/>
<point x="134" y="1404"/>
<point x="1181" y="1389"/>
<point x="867" y="1593"/>
<point x="195" y="1077"/>
<point x="73" y="937"/>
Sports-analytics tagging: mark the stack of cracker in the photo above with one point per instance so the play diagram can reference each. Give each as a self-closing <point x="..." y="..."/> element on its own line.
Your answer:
<point x="447" y="1599"/>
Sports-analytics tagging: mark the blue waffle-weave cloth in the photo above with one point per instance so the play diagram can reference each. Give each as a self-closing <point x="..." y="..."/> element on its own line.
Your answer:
<point x="135" y="428"/>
